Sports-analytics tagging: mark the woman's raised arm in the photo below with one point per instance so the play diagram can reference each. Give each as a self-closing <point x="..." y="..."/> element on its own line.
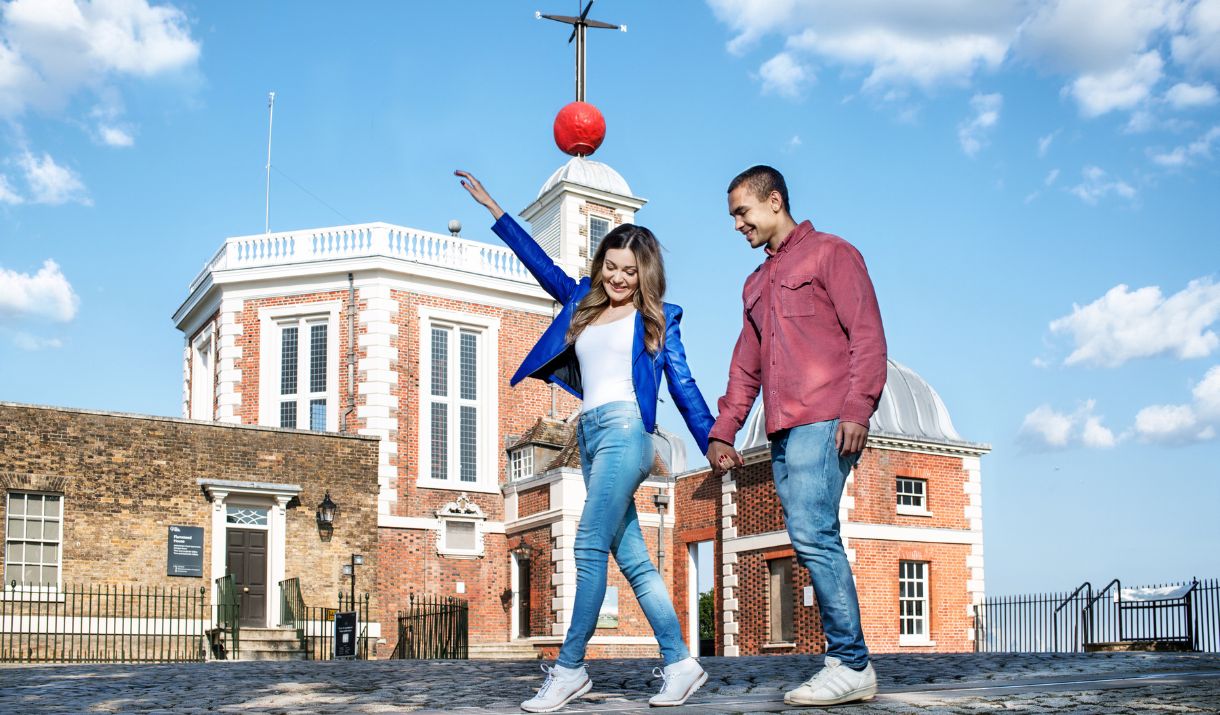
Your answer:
<point x="551" y="277"/>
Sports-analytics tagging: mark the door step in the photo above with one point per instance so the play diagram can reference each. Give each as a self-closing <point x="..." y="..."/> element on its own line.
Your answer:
<point x="269" y="644"/>
<point x="512" y="650"/>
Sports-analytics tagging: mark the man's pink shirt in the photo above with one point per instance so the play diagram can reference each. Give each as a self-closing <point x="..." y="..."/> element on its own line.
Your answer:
<point x="811" y="338"/>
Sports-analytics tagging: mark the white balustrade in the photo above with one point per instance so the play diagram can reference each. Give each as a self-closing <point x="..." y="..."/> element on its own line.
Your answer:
<point x="365" y="240"/>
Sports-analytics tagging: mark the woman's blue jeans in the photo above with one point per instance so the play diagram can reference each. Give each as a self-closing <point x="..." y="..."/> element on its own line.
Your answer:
<point x="809" y="477"/>
<point x="616" y="456"/>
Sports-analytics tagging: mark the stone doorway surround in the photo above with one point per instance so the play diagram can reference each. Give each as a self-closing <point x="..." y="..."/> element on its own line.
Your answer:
<point x="275" y="498"/>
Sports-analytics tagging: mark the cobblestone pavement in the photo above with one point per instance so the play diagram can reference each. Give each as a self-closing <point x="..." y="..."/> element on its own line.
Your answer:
<point x="925" y="684"/>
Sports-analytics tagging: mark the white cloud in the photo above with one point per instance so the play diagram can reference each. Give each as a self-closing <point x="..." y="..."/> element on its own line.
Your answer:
<point x="1198" y="46"/>
<point x="1207" y="394"/>
<point x="1123" y="87"/>
<point x="1183" y="424"/>
<point x="1097" y="185"/>
<point x="1169" y="424"/>
<point x="1051" y="177"/>
<point x="1201" y="148"/>
<point x="1124" y="325"/>
<point x="1047" y="428"/>
<point x="53" y="48"/>
<point x="50" y="183"/>
<point x="46" y="294"/>
<point x="1091" y="37"/>
<point x="114" y="136"/>
<point x="1189" y="96"/>
<point x="896" y="43"/>
<point x="973" y="134"/>
<point x="8" y="195"/>
<point x="1044" y="144"/>
<point x="25" y="341"/>
<point x="784" y="75"/>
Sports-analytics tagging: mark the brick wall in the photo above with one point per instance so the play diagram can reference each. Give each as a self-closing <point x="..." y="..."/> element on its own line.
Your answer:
<point x="697" y="518"/>
<point x="126" y="478"/>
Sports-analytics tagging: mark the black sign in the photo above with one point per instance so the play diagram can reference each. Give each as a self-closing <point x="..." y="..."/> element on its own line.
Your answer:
<point x="345" y="635"/>
<point x="185" y="551"/>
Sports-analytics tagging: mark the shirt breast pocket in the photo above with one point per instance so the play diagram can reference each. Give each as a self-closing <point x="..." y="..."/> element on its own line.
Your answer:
<point x="796" y="296"/>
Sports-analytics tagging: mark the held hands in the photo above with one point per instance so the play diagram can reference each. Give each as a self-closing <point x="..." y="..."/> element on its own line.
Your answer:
<point x="479" y="194"/>
<point x="850" y="438"/>
<point x="722" y="457"/>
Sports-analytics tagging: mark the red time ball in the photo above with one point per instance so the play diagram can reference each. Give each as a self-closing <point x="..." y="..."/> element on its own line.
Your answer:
<point x="579" y="129"/>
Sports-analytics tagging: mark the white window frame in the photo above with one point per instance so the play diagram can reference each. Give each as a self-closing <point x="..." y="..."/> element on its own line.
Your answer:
<point x="911" y="509"/>
<point x="203" y="376"/>
<point x="59" y="564"/>
<point x="773" y="606"/>
<point x="461" y="510"/>
<point x="520" y="463"/>
<point x="922" y="576"/>
<point x="487" y="468"/>
<point x="271" y="322"/>
<point x="589" y="232"/>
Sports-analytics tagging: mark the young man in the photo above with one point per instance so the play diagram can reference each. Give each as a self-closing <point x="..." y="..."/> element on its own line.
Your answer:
<point x="812" y="342"/>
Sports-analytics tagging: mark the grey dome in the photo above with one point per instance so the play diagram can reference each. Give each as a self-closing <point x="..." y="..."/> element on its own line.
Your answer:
<point x="587" y="172"/>
<point x="909" y="407"/>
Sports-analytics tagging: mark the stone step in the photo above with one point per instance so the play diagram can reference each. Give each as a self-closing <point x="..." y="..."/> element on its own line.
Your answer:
<point x="1149" y="646"/>
<point x="513" y="650"/>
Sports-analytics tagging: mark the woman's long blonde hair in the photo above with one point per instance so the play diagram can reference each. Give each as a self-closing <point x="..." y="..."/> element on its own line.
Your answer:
<point x="648" y="295"/>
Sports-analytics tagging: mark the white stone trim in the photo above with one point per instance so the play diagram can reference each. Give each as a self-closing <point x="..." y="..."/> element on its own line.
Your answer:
<point x="487" y="468"/>
<point x="563" y="601"/>
<point x="228" y="377"/>
<point x="269" y="358"/>
<point x="728" y="533"/>
<point x="273" y="496"/>
<point x="377" y="381"/>
<point x="855" y="530"/>
<point x="973" y="488"/>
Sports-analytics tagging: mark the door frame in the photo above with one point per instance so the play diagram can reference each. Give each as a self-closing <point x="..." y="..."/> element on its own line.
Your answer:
<point x="273" y="497"/>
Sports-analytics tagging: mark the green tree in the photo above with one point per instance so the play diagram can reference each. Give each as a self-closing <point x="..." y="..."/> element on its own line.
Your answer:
<point x="707" y="615"/>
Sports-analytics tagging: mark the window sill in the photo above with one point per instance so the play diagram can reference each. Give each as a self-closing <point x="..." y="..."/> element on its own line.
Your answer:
<point x="909" y="642"/>
<point x="33" y="596"/>
<point x="478" y="487"/>
<point x="913" y="511"/>
<point x="777" y="646"/>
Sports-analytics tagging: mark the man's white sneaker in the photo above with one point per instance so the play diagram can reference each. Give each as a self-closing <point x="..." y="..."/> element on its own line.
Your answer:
<point x="561" y="685"/>
<point x="836" y="683"/>
<point x="679" y="681"/>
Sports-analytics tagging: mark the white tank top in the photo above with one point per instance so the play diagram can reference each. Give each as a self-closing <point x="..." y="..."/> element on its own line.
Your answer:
<point x="604" y="352"/>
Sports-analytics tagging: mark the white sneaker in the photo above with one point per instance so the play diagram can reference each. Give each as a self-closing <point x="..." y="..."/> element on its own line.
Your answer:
<point x="681" y="680"/>
<point x="834" y="684"/>
<point x="561" y="685"/>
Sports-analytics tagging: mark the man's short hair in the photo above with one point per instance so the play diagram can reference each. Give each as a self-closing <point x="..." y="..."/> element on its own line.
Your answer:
<point x="762" y="180"/>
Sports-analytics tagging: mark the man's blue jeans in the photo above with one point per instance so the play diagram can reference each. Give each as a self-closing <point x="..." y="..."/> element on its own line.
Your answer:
<point x="809" y="476"/>
<point x="616" y="455"/>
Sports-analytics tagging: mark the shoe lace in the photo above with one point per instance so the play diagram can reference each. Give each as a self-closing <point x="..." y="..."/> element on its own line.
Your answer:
<point x="665" y="677"/>
<point x="821" y="675"/>
<point x="550" y="679"/>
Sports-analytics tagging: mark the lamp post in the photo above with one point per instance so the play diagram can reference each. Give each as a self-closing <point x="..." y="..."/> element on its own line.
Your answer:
<point x="661" y="500"/>
<point x="350" y="570"/>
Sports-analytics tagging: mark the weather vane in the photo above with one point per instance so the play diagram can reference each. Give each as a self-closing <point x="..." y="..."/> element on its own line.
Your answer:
<point x="580" y="127"/>
<point x="580" y="26"/>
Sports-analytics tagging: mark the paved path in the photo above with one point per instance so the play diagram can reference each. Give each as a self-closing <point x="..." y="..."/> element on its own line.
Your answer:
<point x="924" y="684"/>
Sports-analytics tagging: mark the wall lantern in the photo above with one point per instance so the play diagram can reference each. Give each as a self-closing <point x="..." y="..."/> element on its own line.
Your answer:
<point x="523" y="551"/>
<point x="326" y="511"/>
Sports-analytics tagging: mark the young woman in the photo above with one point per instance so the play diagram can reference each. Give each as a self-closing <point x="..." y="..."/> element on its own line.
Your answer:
<point x="609" y="346"/>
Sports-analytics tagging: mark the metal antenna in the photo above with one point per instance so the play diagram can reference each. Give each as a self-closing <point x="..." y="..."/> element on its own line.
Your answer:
<point x="579" y="26"/>
<point x="270" y="119"/>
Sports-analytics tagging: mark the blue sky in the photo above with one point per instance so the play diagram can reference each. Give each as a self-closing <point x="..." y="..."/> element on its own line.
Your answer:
<point x="1032" y="183"/>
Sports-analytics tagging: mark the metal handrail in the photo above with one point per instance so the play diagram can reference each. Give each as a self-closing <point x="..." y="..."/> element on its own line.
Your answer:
<point x="228" y="610"/>
<point x="1068" y="600"/>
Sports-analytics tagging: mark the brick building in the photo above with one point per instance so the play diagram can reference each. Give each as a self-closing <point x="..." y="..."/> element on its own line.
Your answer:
<point x="411" y="337"/>
<point x="912" y="526"/>
<point x="94" y="498"/>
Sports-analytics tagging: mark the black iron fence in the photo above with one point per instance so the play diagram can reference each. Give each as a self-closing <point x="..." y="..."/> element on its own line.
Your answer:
<point x="433" y="627"/>
<point x="1084" y="619"/>
<point x="315" y="625"/>
<point x="102" y="624"/>
<point x="225" y="635"/>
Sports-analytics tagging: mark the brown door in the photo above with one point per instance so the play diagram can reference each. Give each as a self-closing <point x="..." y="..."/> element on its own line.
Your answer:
<point x="246" y="559"/>
<point x="523" y="598"/>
